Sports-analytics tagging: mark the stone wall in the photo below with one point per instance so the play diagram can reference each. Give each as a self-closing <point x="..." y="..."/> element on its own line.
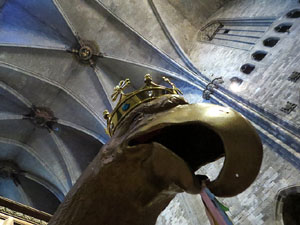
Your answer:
<point x="267" y="85"/>
<point x="197" y="12"/>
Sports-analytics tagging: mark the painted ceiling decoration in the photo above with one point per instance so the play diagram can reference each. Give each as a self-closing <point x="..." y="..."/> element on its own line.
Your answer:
<point x="59" y="63"/>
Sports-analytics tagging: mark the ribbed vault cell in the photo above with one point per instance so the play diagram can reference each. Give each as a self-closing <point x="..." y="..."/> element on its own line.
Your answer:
<point x="26" y="188"/>
<point x="59" y="62"/>
<point x="34" y="23"/>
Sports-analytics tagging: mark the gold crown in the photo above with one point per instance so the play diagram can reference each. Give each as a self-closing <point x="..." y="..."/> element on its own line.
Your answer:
<point x="127" y="102"/>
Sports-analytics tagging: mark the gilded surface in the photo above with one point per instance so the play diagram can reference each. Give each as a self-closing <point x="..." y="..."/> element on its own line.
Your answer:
<point x="131" y="100"/>
<point x="21" y="217"/>
<point x="153" y="156"/>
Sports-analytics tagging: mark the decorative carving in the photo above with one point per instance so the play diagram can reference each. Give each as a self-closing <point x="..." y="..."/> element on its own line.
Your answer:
<point x="129" y="101"/>
<point x="153" y="155"/>
<point x="42" y="117"/>
<point x="87" y="52"/>
<point x="209" y="32"/>
<point x="118" y="90"/>
<point x="21" y="216"/>
<point x="9" y="170"/>
<point x="209" y="89"/>
<point x="173" y="85"/>
<point x="289" y="107"/>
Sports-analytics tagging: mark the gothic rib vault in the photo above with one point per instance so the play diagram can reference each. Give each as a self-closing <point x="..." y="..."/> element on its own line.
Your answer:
<point x="52" y="96"/>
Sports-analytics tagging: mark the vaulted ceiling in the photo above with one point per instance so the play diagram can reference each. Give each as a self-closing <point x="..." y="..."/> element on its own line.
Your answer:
<point x="59" y="62"/>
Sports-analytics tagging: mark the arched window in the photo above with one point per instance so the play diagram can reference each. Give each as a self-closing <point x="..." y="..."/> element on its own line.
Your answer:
<point x="271" y="41"/>
<point x="284" y="27"/>
<point x="288" y="206"/>
<point x="293" y="14"/>
<point x="247" y="68"/>
<point x="259" y="55"/>
<point x="235" y="84"/>
<point x="236" y="80"/>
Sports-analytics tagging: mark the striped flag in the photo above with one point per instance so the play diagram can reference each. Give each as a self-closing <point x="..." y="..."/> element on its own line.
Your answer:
<point x="216" y="212"/>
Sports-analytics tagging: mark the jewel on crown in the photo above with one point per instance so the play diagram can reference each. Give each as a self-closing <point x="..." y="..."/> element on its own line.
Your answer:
<point x="128" y="101"/>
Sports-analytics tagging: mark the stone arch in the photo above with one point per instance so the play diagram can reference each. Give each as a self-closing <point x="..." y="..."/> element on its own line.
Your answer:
<point x="287" y="210"/>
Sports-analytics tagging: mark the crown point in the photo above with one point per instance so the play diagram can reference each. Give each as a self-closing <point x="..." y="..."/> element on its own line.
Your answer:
<point x="118" y="90"/>
<point x="175" y="89"/>
<point x="148" y="79"/>
<point x="106" y="114"/>
<point x="129" y="101"/>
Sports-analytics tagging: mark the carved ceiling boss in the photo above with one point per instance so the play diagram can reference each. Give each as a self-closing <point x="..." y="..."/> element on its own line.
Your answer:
<point x="157" y="143"/>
